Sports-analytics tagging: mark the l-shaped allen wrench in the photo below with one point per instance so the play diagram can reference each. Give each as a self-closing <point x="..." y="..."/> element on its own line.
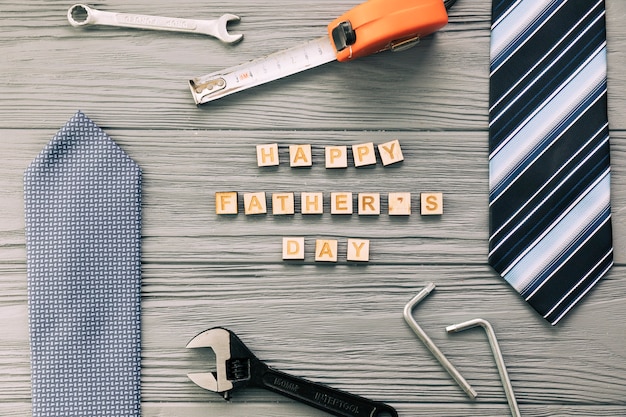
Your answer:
<point x="431" y="345"/>
<point x="497" y="354"/>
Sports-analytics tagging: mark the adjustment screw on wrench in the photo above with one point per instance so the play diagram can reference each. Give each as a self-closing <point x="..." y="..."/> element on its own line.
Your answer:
<point x="497" y="354"/>
<point x="431" y="345"/>
<point x="82" y="15"/>
<point x="237" y="367"/>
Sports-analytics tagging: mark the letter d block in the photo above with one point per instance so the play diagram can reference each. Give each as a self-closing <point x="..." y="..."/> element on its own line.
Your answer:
<point x="358" y="250"/>
<point x="293" y="248"/>
<point x="431" y="204"/>
<point x="325" y="250"/>
<point x="226" y="202"/>
<point x="267" y="155"/>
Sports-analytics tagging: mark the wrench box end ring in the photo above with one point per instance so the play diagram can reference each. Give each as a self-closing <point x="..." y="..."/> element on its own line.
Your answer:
<point x="78" y="15"/>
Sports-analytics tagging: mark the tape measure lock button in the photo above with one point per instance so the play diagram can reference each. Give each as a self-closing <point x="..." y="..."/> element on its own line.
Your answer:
<point x="343" y="35"/>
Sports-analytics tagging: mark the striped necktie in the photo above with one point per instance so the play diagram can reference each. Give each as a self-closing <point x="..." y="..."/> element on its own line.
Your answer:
<point x="83" y="233"/>
<point x="549" y="185"/>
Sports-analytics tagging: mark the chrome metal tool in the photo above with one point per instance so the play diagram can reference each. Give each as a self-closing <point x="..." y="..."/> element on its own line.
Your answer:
<point x="238" y="367"/>
<point x="82" y="15"/>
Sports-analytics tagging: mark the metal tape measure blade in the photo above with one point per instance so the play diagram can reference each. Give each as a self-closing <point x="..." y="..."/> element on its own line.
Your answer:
<point x="262" y="70"/>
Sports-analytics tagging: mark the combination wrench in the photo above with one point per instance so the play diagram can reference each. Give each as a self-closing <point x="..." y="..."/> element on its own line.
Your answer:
<point x="81" y="15"/>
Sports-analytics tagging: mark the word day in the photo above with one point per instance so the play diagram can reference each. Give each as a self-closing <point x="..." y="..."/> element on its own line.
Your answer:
<point x="326" y="250"/>
<point x="363" y="154"/>
<point x="367" y="204"/>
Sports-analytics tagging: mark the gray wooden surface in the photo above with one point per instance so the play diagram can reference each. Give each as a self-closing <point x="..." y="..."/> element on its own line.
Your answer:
<point x="337" y="324"/>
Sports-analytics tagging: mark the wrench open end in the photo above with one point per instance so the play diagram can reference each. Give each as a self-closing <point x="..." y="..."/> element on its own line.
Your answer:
<point x="222" y="29"/>
<point x="217" y="339"/>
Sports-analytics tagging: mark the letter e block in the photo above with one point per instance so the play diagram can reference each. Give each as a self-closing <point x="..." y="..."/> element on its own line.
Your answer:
<point x="300" y="156"/>
<point x="358" y="250"/>
<point x="325" y="250"/>
<point x="336" y="156"/>
<point x="369" y="204"/>
<point x="364" y="154"/>
<point x="226" y="202"/>
<point x="341" y="203"/>
<point x="431" y="204"/>
<point x="293" y="248"/>
<point x="399" y="204"/>
<point x="267" y="155"/>
<point x="312" y="203"/>
<point x="282" y="203"/>
<point x="254" y="203"/>
<point x="390" y="152"/>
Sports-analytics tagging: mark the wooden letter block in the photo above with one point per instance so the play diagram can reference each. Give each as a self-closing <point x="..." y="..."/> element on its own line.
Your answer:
<point x="364" y="154"/>
<point x="358" y="250"/>
<point x="326" y="250"/>
<point x="226" y="202"/>
<point x="267" y="155"/>
<point x="254" y="203"/>
<point x="312" y="203"/>
<point x="431" y="204"/>
<point x="282" y="203"/>
<point x="293" y="248"/>
<point x="341" y="203"/>
<point x="336" y="156"/>
<point x="399" y="204"/>
<point x="369" y="204"/>
<point x="300" y="156"/>
<point x="390" y="152"/>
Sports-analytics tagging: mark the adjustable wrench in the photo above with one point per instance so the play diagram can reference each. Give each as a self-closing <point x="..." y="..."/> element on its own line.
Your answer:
<point x="82" y="15"/>
<point x="237" y="367"/>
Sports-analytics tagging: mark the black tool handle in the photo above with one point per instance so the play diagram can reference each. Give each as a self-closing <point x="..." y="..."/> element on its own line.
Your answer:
<point x="333" y="401"/>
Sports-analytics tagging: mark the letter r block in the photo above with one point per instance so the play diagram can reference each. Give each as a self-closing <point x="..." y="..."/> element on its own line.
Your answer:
<point x="267" y="155"/>
<point x="226" y="202"/>
<point x="369" y="204"/>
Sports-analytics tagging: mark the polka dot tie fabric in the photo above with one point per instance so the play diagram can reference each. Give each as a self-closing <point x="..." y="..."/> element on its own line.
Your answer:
<point x="82" y="198"/>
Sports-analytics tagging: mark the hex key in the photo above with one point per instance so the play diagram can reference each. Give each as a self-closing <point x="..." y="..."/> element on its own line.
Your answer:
<point x="431" y="345"/>
<point x="497" y="354"/>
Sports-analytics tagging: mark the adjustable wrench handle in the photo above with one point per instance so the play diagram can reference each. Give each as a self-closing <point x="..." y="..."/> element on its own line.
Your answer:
<point x="331" y="400"/>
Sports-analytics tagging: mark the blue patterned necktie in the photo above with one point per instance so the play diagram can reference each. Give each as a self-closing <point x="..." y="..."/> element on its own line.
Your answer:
<point x="83" y="229"/>
<point x="550" y="215"/>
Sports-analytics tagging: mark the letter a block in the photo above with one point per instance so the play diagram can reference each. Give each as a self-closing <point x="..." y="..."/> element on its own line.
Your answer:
<point x="390" y="152"/>
<point x="226" y="202"/>
<point x="267" y="155"/>
<point x="358" y="250"/>
<point x="293" y="248"/>
<point x="336" y="156"/>
<point x="364" y="154"/>
<point x="300" y="156"/>
<point x="254" y="203"/>
<point x="431" y="204"/>
<point x="326" y="250"/>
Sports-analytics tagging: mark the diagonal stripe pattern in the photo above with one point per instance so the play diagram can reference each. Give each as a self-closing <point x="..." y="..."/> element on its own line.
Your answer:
<point x="549" y="168"/>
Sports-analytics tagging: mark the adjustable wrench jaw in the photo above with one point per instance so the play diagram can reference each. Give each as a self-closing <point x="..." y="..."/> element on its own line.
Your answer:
<point x="234" y="361"/>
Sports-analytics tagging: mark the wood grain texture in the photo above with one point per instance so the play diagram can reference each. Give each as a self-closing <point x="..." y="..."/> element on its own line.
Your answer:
<point x="340" y="324"/>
